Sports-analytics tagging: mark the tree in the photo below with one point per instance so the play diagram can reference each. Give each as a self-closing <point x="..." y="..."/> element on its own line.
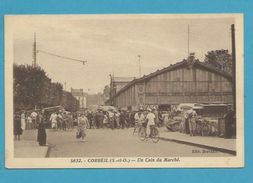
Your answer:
<point x="32" y="87"/>
<point x="220" y="59"/>
<point x="28" y="85"/>
<point x="69" y="102"/>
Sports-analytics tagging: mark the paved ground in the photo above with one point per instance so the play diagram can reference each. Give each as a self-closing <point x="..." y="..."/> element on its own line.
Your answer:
<point x="29" y="149"/>
<point x="215" y="142"/>
<point x="117" y="143"/>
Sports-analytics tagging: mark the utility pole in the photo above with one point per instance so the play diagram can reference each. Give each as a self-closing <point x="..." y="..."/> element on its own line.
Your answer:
<point x="233" y="66"/>
<point x="139" y="58"/>
<point x="34" y="64"/>
<point x="188" y="40"/>
<point x="35" y="51"/>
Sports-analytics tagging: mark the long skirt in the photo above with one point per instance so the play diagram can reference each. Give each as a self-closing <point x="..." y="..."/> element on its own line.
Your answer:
<point x="17" y="128"/>
<point x="23" y="125"/>
<point x="42" y="136"/>
<point x="82" y="132"/>
<point x="192" y="126"/>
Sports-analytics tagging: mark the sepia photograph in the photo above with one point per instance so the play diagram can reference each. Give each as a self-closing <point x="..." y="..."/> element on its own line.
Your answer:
<point x="124" y="91"/>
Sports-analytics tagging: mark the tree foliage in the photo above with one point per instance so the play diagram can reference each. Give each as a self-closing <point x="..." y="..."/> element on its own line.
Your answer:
<point x="32" y="87"/>
<point x="220" y="59"/>
<point x="69" y="102"/>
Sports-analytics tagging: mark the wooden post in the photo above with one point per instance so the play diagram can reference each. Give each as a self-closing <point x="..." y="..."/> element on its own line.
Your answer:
<point x="233" y="66"/>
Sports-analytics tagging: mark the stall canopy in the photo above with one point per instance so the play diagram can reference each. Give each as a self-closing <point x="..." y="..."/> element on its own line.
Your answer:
<point x="53" y="108"/>
<point x="107" y="108"/>
<point x="187" y="106"/>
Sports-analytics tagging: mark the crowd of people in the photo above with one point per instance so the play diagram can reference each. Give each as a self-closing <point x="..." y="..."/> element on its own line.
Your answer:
<point x="121" y="119"/>
<point x="30" y="121"/>
<point x="60" y="120"/>
<point x="193" y="124"/>
<point x="110" y="119"/>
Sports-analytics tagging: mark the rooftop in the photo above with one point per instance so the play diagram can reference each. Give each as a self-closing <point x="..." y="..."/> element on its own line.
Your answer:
<point x="122" y="79"/>
<point x="175" y="66"/>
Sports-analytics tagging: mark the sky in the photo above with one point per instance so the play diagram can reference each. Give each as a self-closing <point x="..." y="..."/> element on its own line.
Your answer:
<point x="111" y="44"/>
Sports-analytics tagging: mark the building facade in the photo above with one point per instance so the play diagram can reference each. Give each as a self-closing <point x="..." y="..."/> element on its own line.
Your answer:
<point x="116" y="84"/>
<point x="80" y="96"/>
<point x="95" y="99"/>
<point x="189" y="81"/>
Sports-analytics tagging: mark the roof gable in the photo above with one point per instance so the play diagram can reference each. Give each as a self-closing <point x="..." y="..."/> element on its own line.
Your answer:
<point x="177" y="65"/>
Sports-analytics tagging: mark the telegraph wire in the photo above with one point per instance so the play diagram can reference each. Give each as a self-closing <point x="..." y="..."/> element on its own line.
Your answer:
<point x="60" y="56"/>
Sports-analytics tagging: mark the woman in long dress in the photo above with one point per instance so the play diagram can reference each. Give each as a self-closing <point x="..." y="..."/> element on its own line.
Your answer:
<point x="23" y="124"/>
<point x="82" y="126"/>
<point x="17" y="126"/>
<point x="42" y="135"/>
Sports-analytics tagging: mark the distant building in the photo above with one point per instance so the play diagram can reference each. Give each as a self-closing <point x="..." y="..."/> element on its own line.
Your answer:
<point x="188" y="81"/>
<point x="95" y="99"/>
<point x="80" y="96"/>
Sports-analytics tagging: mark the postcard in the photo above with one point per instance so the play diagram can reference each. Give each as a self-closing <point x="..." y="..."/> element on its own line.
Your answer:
<point x="124" y="91"/>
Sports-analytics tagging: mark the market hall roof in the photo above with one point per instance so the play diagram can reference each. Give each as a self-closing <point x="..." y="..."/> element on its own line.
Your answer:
<point x="175" y="66"/>
<point x="122" y="79"/>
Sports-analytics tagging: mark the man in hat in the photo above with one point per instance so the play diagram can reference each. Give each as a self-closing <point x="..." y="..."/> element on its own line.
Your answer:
<point x="229" y="121"/>
<point x="64" y="121"/>
<point x="139" y="119"/>
<point x="53" y="119"/>
<point x="150" y="118"/>
<point x="122" y="119"/>
<point x="34" y="119"/>
<point x="192" y="115"/>
<point x="60" y="120"/>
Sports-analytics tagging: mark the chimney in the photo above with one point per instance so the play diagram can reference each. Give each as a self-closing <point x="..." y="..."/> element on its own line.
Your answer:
<point x="191" y="57"/>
